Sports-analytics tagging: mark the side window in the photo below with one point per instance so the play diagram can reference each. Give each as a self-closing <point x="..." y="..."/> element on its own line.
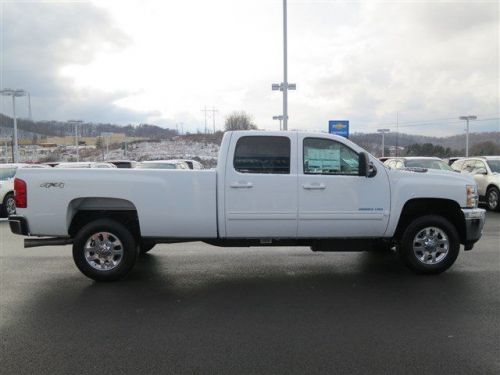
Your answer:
<point x="478" y="165"/>
<point x="468" y="166"/>
<point x="400" y="164"/>
<point x="325" y="156"/>
<point x="257" y="154"/>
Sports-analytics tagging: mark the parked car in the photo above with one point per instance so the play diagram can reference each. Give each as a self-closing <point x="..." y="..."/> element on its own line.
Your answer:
<point x="269" y="189"/>
<point x="7" y="173"/>
<point x="123" y="163"/>
<point x="163" y="164"/>
<point x="486" y="173"/>
<point x="452" y="159"/>
<point x="192" y="164"/>
<point x="85" y="164"/>
<point x="417" y="162"/>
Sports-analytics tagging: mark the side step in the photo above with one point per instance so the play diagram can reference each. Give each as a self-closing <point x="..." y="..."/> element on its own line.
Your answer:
<point x="56" y="241"/>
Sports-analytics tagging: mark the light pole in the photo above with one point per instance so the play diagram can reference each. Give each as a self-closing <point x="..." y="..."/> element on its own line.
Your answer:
<point x="280" y="118"/>
<point x="285" y="86"/>
<point x="107" y="135"/>
<point x="467" y="119"/>
<point x="77" y="145"/>
<point x="383" y="131"/>
<point x="14" y="94"/>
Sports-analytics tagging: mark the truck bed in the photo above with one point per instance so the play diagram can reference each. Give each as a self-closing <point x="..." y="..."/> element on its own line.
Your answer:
<point x="169" y="203"/>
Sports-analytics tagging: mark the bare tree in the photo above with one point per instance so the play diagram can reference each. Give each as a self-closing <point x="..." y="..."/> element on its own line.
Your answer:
<point x="239" y="121"/>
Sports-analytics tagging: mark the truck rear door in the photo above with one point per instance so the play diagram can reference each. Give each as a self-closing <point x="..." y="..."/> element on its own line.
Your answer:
<point x="261" y="186"/>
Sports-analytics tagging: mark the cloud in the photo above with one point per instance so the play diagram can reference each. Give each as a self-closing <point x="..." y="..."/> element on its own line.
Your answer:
<point x="38" y="39"/>
<point x="163" y="61"/>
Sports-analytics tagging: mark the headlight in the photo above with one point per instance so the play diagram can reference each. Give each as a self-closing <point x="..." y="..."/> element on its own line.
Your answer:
<point x="472" y="197"/>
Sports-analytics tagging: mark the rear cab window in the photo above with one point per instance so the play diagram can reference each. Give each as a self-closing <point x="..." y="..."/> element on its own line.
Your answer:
<point x="262" y="154"/>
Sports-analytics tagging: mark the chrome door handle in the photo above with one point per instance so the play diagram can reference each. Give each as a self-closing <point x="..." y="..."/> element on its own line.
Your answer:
<point x="314" y="186"/>
<point x="241" y="185"/>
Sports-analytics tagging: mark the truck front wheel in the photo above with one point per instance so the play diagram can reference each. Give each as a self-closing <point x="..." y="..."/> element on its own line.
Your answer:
<point x="429" y="245"/>
<point x="104" y="250"/>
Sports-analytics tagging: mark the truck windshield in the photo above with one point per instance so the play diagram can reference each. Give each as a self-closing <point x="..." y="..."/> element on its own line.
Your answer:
<point x="494" y="165"/>
<point x="429" y="164"/>
<point x="7" y="173"/>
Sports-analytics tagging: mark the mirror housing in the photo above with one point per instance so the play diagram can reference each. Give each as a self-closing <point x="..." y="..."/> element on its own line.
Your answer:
<point x="364" y="164"/>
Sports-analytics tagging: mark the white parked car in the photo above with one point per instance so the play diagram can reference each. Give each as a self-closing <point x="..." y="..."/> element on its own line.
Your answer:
<point x="7" y="173"/>
<point x="85" y="164"/>
<point x="427" y="162"/>
<point x="486" y="173"/>
<point x="162" y="164"/>
<point x="269" y="189"/>
<point x="192" y="164"/>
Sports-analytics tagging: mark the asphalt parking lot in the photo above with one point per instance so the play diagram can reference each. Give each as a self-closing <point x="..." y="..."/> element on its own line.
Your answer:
<point x="193" y="308"/>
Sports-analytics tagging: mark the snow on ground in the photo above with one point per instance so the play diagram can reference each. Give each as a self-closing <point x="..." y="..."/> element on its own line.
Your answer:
<point x="205" y="152"/>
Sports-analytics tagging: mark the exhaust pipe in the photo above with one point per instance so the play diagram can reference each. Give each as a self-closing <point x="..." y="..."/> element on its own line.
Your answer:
<point x="57" y="241"/>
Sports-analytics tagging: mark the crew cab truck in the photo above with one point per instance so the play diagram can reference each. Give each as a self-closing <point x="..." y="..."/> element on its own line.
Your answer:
<point x="269" y="189"/>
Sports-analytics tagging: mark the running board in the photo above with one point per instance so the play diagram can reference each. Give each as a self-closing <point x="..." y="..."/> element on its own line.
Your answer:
<point x="57" y="241"/>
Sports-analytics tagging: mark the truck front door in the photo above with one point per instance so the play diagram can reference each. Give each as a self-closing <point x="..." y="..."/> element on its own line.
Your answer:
<point x="334" y="201"/>
<point x="261" y="187"/>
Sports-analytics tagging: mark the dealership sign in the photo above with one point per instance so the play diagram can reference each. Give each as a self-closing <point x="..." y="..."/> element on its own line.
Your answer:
<point x="339" y="127"/>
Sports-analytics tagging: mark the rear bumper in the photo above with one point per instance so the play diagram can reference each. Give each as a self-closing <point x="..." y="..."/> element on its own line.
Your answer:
<point x="19" y="225"/>
<point x="474" y="223"/>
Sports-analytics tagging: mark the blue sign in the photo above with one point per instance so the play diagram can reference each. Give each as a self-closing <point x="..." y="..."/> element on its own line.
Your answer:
<point x="339" y="127"/>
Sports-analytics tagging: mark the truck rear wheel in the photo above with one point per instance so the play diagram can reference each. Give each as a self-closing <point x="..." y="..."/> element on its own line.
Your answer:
<point x="429" y="245"/>
<point x="104" y="250"/>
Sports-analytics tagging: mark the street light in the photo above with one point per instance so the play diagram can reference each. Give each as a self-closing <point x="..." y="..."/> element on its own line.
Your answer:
<point x="107" y="135"/>
<point x="284" y="86"/>
<point x="280" y="118"/>
<point x="383" y="131"/>
<point x="467" y="118"/>
<point x="76" y="123"/>
<point x="14" y="93"/>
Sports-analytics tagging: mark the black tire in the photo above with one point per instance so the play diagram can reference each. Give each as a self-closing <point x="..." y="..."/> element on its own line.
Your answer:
<point x="120" y="232"/>
<point x="493" y="199"/>
<point x="408" y="256"/>
<point x="9" y="197"/>
<point x="146" y="246"/>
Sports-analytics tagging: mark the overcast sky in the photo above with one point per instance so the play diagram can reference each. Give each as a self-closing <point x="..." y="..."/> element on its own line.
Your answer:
<point x="161" y="62"/>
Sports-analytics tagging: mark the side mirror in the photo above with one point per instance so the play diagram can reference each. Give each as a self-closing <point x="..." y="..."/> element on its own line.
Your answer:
<point x="481" y="171"/>
<point x="364" y="164"/>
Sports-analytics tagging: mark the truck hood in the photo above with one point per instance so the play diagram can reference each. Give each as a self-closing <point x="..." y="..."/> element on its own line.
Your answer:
<point x="432" y="174"/>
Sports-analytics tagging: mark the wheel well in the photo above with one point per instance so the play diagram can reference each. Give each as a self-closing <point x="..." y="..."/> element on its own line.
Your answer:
<point x="7" y="193"/>
<point x="431" y="206"/>
<point x="492" y="186"/>
<point x="127" y="218"/>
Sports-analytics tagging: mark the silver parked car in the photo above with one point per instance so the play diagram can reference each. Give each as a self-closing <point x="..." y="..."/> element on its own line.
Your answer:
<point x="486" y="173"/>
<point x="417" y="162"/>
<point x="162" y="164"/>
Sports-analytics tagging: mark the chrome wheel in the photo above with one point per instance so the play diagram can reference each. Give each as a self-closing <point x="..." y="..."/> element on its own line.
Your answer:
<point x="431" y="245"/>
<point x="493" y="199"/>
<point x="103" y="251"/>
<point x="10" y="206"/>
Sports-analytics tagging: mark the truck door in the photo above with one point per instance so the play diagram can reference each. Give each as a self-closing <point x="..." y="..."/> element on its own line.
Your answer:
<point x="261" y="186"/>
<point x="334" y="201"/>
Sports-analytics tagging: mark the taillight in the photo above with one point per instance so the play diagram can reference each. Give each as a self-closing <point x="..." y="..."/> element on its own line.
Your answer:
<point x="21" y="193"/>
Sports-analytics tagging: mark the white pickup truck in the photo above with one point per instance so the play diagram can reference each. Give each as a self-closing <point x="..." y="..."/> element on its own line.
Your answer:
<point x="269" y="189"/>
